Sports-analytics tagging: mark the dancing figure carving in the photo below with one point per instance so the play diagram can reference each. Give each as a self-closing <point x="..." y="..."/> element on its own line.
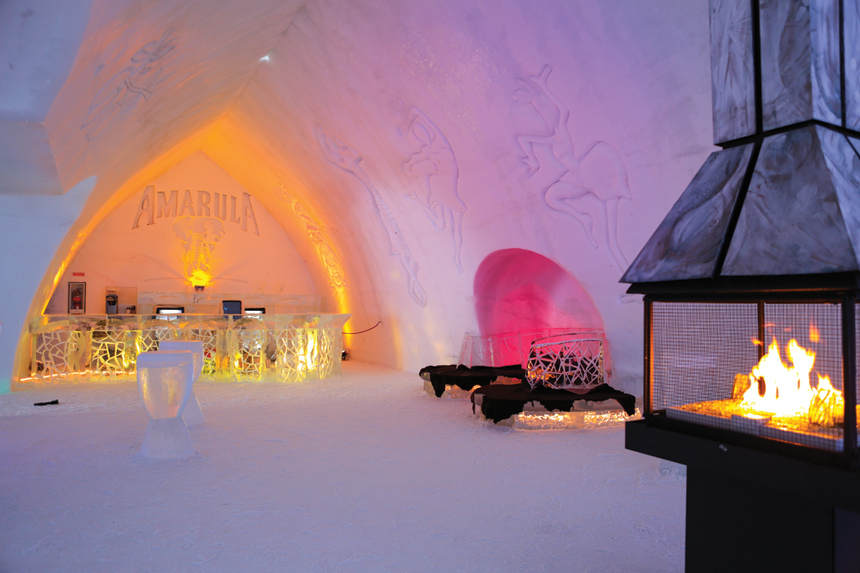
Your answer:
<point x="138" y="79"/>
<point x="591" y="184"/>
<point x="434" y="161"/>
<point x="347" y="159"/>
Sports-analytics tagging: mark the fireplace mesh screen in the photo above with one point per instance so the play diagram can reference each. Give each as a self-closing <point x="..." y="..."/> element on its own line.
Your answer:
<point x="703" y="354"/>
<point x="697" y="348"/>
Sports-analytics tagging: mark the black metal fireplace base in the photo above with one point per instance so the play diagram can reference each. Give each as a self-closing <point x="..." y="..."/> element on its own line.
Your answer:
<point x="749" y="510"/>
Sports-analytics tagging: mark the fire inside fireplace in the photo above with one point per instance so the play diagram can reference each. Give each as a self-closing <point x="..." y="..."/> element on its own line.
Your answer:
<point x="776" y="369"/>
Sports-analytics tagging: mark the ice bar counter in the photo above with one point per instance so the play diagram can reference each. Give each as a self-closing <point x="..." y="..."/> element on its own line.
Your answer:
<point x="276" y="347"/>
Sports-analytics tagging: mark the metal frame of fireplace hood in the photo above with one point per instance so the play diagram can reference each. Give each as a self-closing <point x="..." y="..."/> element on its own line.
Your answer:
<point x="734" y="286"/>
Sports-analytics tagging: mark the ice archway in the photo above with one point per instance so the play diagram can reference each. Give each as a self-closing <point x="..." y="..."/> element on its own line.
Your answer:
<point x="382" y="137"/>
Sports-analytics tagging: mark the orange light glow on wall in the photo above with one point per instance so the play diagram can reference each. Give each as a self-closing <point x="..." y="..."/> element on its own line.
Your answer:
<point x="200" y="278"/>
<point x="323" y="246"/>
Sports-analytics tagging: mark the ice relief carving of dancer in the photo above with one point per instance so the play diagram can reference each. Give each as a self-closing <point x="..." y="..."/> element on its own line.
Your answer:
<point x="436" y="163"/>
<point x="346" y="158"/>
<point x="591" y="184"/>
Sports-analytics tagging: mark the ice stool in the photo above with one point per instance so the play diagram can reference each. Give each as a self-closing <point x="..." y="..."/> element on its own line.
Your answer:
<point x="164" y="380"/>
<point x="192" y="414"/>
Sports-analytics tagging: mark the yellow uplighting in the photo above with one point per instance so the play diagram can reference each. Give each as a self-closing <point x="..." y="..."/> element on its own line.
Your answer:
<point x="200" y="278"/>
<point x="309" y="359"/>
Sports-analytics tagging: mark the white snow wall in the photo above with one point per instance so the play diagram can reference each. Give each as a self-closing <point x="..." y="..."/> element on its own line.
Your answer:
<point x="401" y="145"/>
<point x="450" y="131"/>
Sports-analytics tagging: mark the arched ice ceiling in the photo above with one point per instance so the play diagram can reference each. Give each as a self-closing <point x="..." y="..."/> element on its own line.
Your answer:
<point x="563" y="127"/>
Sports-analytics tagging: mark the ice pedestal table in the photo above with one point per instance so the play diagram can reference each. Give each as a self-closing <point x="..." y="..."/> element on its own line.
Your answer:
<point x="192" y="414"/>
<point x="164" y="380"/>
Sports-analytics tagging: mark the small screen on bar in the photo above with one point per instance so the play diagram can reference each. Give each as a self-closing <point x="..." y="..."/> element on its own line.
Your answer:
<point x="170" y="310"/>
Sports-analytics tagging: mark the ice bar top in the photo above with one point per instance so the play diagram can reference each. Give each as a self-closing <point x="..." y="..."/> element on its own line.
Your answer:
<point x="46" y="323"/>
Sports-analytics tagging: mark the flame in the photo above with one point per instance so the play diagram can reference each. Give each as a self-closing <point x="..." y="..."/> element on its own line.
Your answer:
<point x="813" y="333"/>
<point x="786" y="390"/>
<point x="827" y="407"/>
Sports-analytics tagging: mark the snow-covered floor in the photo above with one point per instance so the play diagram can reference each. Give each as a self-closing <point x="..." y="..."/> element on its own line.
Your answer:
<point x="362" y="472"/>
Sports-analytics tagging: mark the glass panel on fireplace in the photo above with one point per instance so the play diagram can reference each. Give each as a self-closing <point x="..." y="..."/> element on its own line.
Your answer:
<point x="776" y="375"/>
<point x="698" y="348"/>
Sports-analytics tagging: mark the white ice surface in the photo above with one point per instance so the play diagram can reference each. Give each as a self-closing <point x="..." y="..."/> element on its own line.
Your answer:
<point x="363" y="472"/>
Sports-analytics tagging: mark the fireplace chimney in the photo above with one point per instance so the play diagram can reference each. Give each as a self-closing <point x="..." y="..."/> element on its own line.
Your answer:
<point x="762" y="250"/>
<point x="783" y="195"/>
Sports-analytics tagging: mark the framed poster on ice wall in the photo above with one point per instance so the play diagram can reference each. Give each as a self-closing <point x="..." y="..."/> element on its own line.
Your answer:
<point x="77" y="298"/>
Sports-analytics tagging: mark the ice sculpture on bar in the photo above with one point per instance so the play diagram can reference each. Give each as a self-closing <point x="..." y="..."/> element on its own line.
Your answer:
<point x="164" y="380"/>
<point x="192" y="414"/>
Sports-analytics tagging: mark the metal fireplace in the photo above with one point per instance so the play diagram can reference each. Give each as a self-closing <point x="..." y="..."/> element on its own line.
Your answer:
<point x="752" y="286"/>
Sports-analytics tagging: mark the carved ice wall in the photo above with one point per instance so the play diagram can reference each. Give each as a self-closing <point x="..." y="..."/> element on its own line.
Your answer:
<point x="590" y="184"/>
<point x="434" y="161"/>
<point x="337" y="276"/>
<point x="630" y="79"/>
<point x="347" y="159"/>
<point x="139" y="77"/>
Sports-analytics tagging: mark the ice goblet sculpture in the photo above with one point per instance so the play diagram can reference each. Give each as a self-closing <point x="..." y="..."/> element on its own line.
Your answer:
<point x="164" y="380"/>
<point x="192" y="414"/>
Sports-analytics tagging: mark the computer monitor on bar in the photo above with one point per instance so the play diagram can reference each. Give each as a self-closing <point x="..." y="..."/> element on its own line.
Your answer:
<point x="169" y="310"/>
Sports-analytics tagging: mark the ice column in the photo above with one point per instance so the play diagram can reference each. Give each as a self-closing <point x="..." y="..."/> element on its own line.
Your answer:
<point x="164" y="380"/>
<point x="192" y="414"/>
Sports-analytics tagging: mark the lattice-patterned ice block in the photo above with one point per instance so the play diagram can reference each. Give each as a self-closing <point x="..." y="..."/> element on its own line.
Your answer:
<point x="247" y="341"/>
<point x="325" y="353"/>
<point x="57" y="351"/>
<point x="154" y="331"/>
<point x="286" y="348"/>
<point x="567" y="361"/>
<point x="112" y="351"/>
<point x="209" y="334"/>
<point x="291" y="343"/>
